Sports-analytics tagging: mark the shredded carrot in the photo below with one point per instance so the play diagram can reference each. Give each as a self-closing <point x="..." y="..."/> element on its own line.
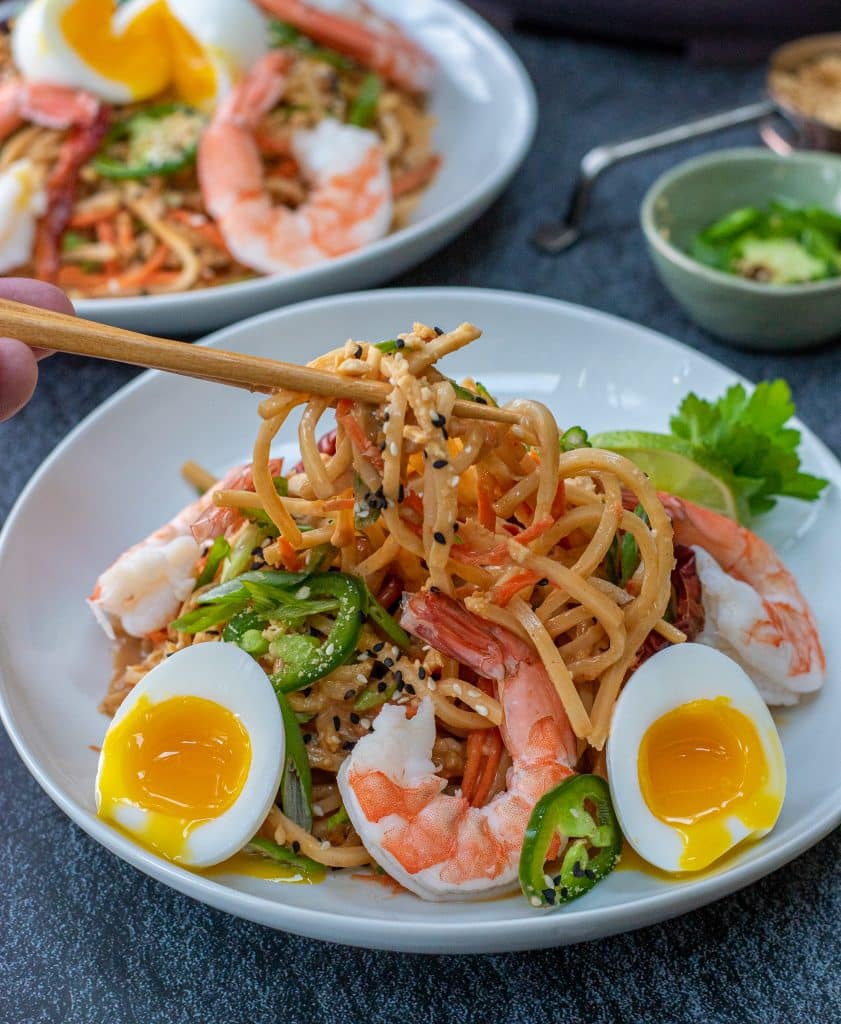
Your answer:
<point x="358" y="438"/>
<point x="414" y="502"/>
<point x="338" y="504"/>
<point x="492" y="749"/>
<point x="125" y="233"/>
<point x="140" y="275"/>
<point x="498" y="555"/>
<point x="502" y="593"/>
<point x="485" y="499"/>
<point x="473" y="762"/>
<point x="106" y="233"/>
<point x="410" y="181"/>
<point x="87" y="218"/>
<point x="158" y="636"/>
<point x="203" y="227"/>
<point x="288" y="555"/>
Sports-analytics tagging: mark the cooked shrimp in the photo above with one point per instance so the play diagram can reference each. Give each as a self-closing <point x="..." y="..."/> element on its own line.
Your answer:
<point x="51" y="106"/>
<point x="54" y="106"/>
<point x="433" y="843"/>
<point x="144" y="588"/>
<point x="754" y="609"/>
<point x="349" y="204"/>
<point x="352" y="27"/>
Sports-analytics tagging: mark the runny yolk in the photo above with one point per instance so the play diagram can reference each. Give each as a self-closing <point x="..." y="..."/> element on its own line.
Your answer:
<point x="701" y="765"/>
<point x="153" y="51"/>
<point x="181" y="762"/>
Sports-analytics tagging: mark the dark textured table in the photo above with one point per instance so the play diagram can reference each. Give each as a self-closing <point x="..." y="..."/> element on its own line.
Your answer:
<point x="84" y="937"/>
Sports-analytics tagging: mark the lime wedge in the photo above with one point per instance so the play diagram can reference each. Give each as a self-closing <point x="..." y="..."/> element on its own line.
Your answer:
<point x="673" y="465"/>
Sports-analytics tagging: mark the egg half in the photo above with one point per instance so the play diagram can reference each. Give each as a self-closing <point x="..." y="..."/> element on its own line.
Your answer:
<point x="191" y="762"/>
<point x="694" y="759"/>
<point x="23" y="200"/>
<point x="195" y="49"/>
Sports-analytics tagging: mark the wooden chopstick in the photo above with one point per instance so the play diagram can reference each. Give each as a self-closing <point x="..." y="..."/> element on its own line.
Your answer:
<point x="42" y="328"/>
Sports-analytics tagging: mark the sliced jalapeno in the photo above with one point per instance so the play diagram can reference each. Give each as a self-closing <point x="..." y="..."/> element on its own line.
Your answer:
<point x="578" y="812"/>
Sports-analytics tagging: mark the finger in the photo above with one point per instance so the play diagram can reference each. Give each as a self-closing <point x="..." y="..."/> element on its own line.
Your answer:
<point x="36" y="293"/>
<point x="18" y="376"/>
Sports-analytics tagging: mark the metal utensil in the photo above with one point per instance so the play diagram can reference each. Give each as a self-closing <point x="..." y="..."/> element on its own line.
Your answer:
<point x="555" y="238"/>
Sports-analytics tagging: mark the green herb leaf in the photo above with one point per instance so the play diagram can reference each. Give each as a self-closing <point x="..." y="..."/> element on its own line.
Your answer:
<point x="748" y="434"/>
<point x="364" y="107"/>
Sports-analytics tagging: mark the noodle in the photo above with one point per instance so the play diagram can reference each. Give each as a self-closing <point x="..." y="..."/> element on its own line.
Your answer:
<point x="408" y="496"/>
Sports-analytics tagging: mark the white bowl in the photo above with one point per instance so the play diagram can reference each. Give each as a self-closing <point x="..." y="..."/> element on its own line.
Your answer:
<point x="116" y="477"/>
<point x="486" y="114"/>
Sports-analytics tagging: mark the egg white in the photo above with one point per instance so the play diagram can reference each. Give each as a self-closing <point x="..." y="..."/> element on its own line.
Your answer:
<point x="225" y="674"/>
<point x="22" y="201"/>
<point x="42" y="54"/>
<point x="233" y="34"/>
<point x="675" y="676"/>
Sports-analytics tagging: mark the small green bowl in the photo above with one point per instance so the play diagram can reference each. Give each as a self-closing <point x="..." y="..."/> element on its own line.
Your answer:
<point x="747" y="313"/>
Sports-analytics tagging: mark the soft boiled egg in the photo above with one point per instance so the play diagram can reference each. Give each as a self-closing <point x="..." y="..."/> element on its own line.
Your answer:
<point x="192" y="760"/>
<point x="133" y="51"/>
<point x="694" y="759"/>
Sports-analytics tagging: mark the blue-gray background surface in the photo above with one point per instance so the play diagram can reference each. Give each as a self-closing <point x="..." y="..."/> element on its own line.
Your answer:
<point x="84" y="937"/>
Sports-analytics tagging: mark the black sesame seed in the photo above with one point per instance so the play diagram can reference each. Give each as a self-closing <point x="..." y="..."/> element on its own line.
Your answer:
<point x="398" y="676"/>
<point x="296" y="847"/>
<point x="439" y="463"/>
<point x="438" y="420"/>
<point x="378" y="647"/>
<point x="401" y="493"/>
<point x="543" y="583"/>
<point x="348" y="744"/>
<point x="337" y="722"/>
<point x="362" y="616"/>
<point x="258" y="550"/>
<point x="564" y="893"/>
<point x="382" y="687"/>
<point x="400" y="686"/>
<point x="307" y="737"/>
<point x="308" y="691"/>
<point x="556" y="881"/>
<point x="439" y="537"/>
<point x="421" y="673"/>
<point x="549" y="895"/>
<point x="590" y="874"/>
<point x="435" y="590"/>
<point x="354" y="718"/>
<point x="350" y="694"/>
<point x="379" y="670"/>
<point x="444" y="433"/>
<point x="577" y="870"/>
<point x="456" y="527"/>
<point x="388" y="662"/>
<point x="400" y="343"/>
<point x="410" y="689"/>
<point x="438" y="331"/>
<point x="358" y="353"/>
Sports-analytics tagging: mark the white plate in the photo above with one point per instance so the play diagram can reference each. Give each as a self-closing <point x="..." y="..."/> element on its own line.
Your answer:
<point x="116" y="477"/>
<point x="486" y="114"/>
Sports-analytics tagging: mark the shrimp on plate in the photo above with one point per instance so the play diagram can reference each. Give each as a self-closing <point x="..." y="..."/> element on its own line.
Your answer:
<point x="754" y="609"/>
<point x="437" y="844"/>
<point x="354" y="28"/>
<point x="51" y="200"/>
<point x="143" y="589"/>
<point x="350" y="202"/>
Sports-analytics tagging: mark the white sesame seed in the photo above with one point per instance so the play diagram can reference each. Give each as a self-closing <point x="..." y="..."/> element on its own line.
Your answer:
<point x="317" y="810"/>
<point x="361" y="677"/>
<point x="454" y="482"/>
<point x="395" y="653"/>
<point x="431" y="685"/>
<point x="393" y="448"/>
<point x="457" y="689"/>
<point x="328" y="650"/>
<point x="535" y="901"/>
<point x="483" y="711"/>
<point x="365" y="723"/>
<point x="303" y="593"/>
<point x="326" y="846"/>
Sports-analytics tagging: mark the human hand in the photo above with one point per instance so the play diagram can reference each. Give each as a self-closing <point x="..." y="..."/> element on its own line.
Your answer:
<point x="19" y="362"/>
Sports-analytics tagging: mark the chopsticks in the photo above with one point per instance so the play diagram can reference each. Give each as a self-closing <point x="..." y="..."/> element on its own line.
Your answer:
<point x="42" y="328"/>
